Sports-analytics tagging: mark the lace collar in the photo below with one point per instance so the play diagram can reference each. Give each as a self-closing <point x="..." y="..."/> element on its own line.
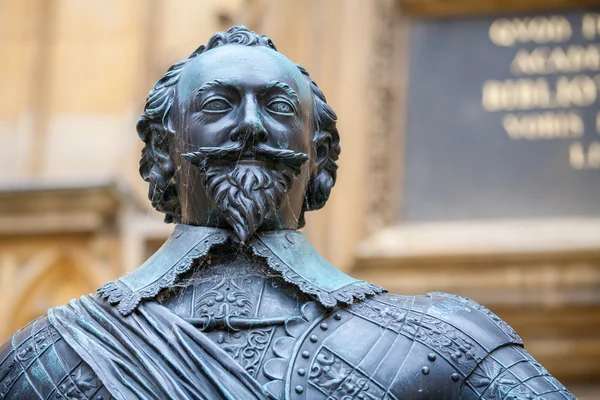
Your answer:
<point x="287" y="252"/>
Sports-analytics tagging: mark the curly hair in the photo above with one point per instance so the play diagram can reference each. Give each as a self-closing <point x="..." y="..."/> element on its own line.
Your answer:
<point x="155" y="126"/>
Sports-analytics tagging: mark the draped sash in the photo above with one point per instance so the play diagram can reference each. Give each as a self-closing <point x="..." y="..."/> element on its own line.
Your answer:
<point x="151" y="354"/>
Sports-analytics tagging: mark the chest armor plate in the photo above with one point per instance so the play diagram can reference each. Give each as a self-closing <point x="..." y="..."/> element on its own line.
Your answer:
<point x="387" y="347"/>
<point x="375" y="350"/>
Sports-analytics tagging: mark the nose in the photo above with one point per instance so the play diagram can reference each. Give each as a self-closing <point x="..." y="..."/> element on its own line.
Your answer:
<point x="250" y="127"/>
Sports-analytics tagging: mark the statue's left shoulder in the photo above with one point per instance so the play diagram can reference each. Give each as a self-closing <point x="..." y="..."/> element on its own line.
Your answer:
<point x="415" y="347"/>
<point x="392" y="347"/>
<point x="504" y="370"/>
<point x="473" y="319"/>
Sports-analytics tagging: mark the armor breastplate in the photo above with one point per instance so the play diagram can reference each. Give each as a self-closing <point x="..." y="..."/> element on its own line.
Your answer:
<point x="437" y="346"/>
<point x="386" y="347"/>
<point x="248" y="310"/>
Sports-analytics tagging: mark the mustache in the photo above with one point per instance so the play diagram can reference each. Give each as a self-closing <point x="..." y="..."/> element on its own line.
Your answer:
<point x="239" y="151"/>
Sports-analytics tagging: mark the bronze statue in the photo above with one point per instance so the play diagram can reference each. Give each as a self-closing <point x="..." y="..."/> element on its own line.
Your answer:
<point x="240" y="143"/>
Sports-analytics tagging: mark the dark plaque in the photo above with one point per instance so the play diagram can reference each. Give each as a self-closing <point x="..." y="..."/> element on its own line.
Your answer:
<point x="504" y="118"/>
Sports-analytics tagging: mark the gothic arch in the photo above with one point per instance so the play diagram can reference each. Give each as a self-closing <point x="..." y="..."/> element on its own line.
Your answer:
<point x="49" y="279"/>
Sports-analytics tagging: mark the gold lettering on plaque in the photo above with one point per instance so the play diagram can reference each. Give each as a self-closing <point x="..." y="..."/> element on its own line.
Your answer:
<point x="580" y="91"/>
<point x="582" y="158"/>
<point x="576" y="156"/>
<point x="516" y="94"/>
<point x="542" y="107"/>
<point x="507" y="32"/>
<point x="590" y="26"/>
<point x="540" y="126"/>
<point x="529" y="94"/>
<point x="546" y="60"/>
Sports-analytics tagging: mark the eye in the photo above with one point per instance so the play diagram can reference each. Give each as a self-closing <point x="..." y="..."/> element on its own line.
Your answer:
<point x="218" y="105"/>
<point x="281" y="107"/>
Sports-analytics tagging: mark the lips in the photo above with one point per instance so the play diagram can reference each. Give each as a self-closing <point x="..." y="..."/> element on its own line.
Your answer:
<point x="248" y="155"/>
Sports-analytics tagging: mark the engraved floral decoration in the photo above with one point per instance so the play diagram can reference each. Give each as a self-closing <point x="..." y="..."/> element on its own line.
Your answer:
<point x="382" y="314"/>
<point x="429" y="330"/>
<point x="485" y="373"/>
<point x="327" y="371"/>
<point x="227" y="297"/>
<point x="495" y="382"/>
<point x="447" y="339"/>
<point x="229" y="293"/>
<point x="339" y="380"/>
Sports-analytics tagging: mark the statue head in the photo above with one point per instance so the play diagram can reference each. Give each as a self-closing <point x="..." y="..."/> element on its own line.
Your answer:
<point x="238" y="136"/>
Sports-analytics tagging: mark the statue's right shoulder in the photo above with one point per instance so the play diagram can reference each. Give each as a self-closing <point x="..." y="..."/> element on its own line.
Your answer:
<point x="37" y="363"/>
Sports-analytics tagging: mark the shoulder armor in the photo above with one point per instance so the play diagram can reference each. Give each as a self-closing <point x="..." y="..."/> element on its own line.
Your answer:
<point x="474" y="319"/>
<point x="393" y="347"/>
<point x="36" y="363"/>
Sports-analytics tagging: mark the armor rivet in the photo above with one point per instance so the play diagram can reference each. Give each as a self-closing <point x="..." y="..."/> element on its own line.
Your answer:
<point x="431" y="357"/>
<point x="454" y="377"/>
<point x="324" y="326"/>
<point x="301" y="372"/>
<point x="337" y="317"/>
<point x="100" y="397"/>
<point x="305" y="354"/>
<point x="299" y="389"/>
<point x="313" y="338"/>
<point x="425" y="370"/>
<point x="289" y="238"/>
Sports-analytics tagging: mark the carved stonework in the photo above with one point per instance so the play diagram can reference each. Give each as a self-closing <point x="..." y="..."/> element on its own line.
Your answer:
<point x="384" y="108"/>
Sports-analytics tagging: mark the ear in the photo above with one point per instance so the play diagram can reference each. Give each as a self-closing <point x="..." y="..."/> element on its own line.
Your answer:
<point x="161" y="171"/>
<point x="323" y="178"/>
<point x="163" y="166"/>
<point x="315" y="155"/>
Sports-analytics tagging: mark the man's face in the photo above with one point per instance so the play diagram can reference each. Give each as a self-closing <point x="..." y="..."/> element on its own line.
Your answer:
<point x="232" y="85"/>
<point x="242" y="96"/>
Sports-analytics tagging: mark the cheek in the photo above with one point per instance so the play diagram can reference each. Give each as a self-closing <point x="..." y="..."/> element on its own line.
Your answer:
<point x="303" y="133"/>
<point x="292" y="134"/>
<point x="282" y="141"/>
<point x="206" y="131"/>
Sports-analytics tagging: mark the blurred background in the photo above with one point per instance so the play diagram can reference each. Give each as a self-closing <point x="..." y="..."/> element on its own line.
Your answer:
<point x="470" y="162"/>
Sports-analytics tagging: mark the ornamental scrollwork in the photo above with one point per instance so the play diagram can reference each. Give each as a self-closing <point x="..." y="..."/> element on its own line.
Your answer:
<point x="339" y="380"/>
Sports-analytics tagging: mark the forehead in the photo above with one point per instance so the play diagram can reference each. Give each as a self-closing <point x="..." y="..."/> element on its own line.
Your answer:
<point x="243" y="66"/>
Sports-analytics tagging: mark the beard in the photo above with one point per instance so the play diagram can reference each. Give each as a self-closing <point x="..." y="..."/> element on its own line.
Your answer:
<point x="247" y="194"/>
